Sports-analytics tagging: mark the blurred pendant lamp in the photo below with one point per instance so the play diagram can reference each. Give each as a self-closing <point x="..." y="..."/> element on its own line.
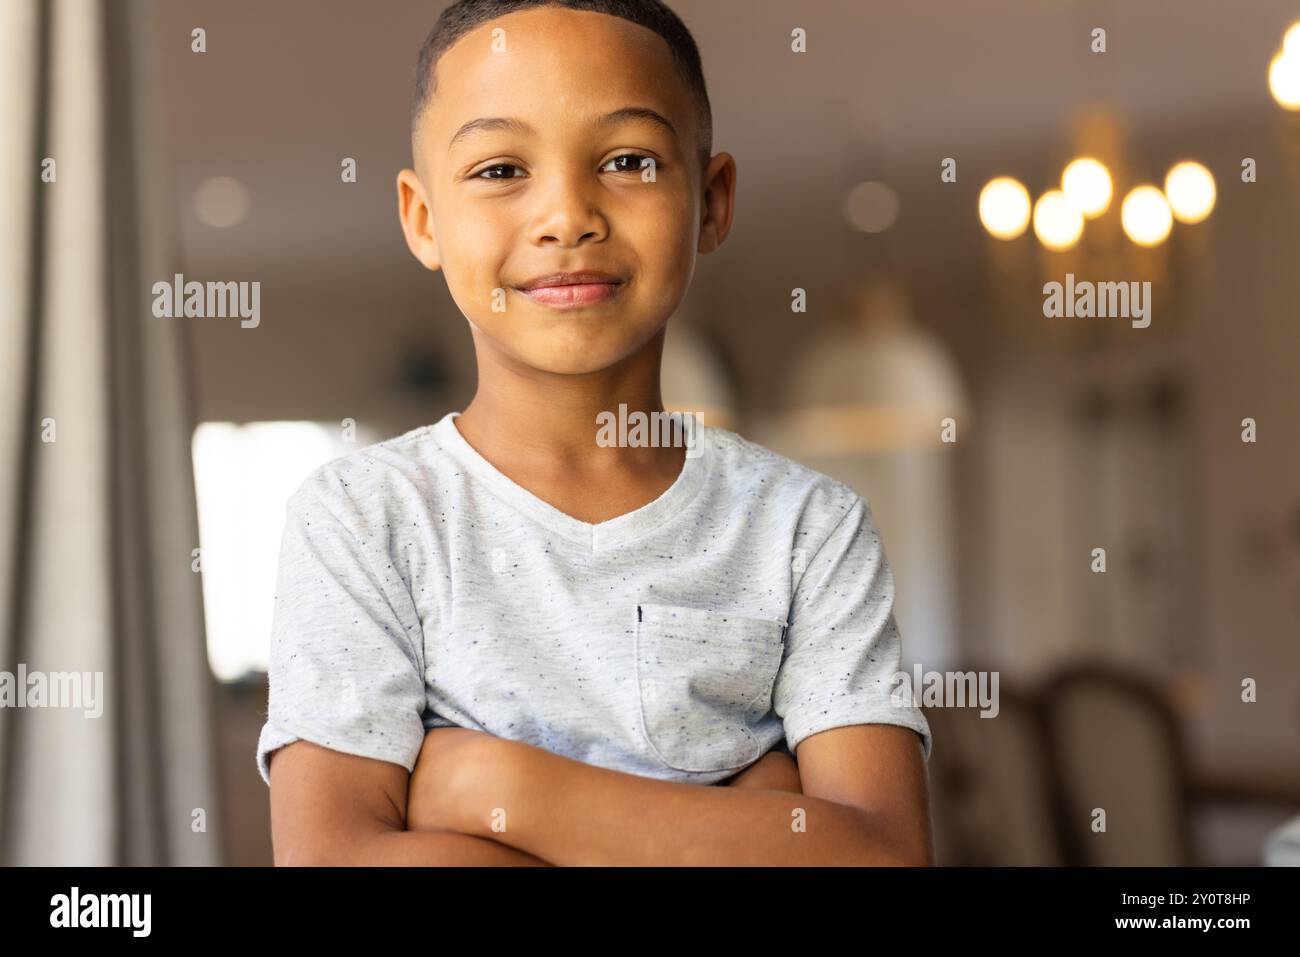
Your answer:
<point x="878" y="384"/>
<point x="866" y="406"/>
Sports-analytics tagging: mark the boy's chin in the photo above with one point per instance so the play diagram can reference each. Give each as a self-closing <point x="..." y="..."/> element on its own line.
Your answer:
<point x="574" y="351"/>
<point x="571" y="362"/>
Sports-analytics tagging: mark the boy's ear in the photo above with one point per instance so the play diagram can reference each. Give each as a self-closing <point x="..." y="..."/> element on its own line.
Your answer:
<point x="719" y="201"/>
<point x="417" y="224"/>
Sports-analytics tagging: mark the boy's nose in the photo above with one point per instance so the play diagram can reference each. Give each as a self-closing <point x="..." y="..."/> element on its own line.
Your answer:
<point x="568" y="217"/>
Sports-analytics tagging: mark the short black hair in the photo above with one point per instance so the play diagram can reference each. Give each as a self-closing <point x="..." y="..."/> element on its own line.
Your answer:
<point x="465" y="15"/>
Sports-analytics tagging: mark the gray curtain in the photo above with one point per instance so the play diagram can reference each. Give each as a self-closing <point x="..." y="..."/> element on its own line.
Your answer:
<point x="97" y="510"/>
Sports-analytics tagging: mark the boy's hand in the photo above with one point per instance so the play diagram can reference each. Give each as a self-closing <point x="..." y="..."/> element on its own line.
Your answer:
<point x="443" y="770"/>
<point x="774" y="771"/>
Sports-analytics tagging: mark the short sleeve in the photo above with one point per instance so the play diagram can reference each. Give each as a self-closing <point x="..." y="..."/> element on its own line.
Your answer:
<point x="843" y="648"/>
<point x="346" y="664"/>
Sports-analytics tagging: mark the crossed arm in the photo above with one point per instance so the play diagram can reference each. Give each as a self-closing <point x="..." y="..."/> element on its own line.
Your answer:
<point x="858" y="796"/>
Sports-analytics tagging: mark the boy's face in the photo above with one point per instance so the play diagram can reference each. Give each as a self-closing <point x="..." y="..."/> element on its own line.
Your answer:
<point x="505" y="204"/>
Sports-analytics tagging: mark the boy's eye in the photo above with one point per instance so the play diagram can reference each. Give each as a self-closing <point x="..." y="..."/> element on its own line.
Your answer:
<point x="632" y="163"/>
<point x="482" y="173"/>
<point x="642" y="161"/>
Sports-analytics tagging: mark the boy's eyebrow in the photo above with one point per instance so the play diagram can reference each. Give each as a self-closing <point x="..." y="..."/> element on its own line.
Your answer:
<point x="631" y="113"/>
<point x="511" y="125"/>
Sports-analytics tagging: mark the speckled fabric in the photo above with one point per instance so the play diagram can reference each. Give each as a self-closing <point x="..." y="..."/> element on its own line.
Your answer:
<point x="747" y="607"/>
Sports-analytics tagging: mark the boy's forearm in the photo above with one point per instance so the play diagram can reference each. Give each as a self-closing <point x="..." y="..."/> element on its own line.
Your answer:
<point x="437" y="849"/>
<point x="571" y="813"/>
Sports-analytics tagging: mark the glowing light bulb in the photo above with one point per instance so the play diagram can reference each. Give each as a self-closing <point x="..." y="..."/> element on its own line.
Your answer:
<point x="1004" y="207"/>
<point x="1189" y="187"/>
<point x="1291" y="42"/>
<point x="1145" y="216"/>
<point x="1087" y="182"/>
<point x="1058" y="220"/>
<point x="1284" y="77"/>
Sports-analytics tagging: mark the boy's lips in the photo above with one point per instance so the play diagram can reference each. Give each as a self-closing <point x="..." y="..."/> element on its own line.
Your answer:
<point x="572" y="290"/>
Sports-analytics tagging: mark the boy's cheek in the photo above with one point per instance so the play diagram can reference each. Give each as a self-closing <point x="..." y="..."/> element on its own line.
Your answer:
<point x="476" y="287"/>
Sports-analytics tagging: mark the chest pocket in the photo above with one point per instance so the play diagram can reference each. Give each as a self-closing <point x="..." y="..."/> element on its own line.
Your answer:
<point x="704" y="678"/>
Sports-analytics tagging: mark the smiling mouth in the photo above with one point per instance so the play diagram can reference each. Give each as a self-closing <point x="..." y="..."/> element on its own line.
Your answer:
<point x="574" y="295"/>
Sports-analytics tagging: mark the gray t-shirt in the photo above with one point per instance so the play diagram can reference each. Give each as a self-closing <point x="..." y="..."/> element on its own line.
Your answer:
<point x="420" y="587"/>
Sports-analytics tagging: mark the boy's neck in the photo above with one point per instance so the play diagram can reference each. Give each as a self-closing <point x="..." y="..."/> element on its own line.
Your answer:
<point x="551" y="433"/>
<point x="550" y="450"/>
<point x="536" y="422"/>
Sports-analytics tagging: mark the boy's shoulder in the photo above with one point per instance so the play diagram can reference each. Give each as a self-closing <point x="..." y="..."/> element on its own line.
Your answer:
<point x="375" y="473"/>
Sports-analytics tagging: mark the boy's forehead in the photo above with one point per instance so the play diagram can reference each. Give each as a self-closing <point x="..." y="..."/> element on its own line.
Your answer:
<point x="554" y="60"/>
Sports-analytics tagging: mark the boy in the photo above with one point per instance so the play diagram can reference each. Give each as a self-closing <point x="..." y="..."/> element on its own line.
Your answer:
<point x="503" y="639"/>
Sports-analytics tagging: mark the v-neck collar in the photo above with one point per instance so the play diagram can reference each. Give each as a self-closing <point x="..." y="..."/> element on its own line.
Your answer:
<point x="593" y="537"/>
